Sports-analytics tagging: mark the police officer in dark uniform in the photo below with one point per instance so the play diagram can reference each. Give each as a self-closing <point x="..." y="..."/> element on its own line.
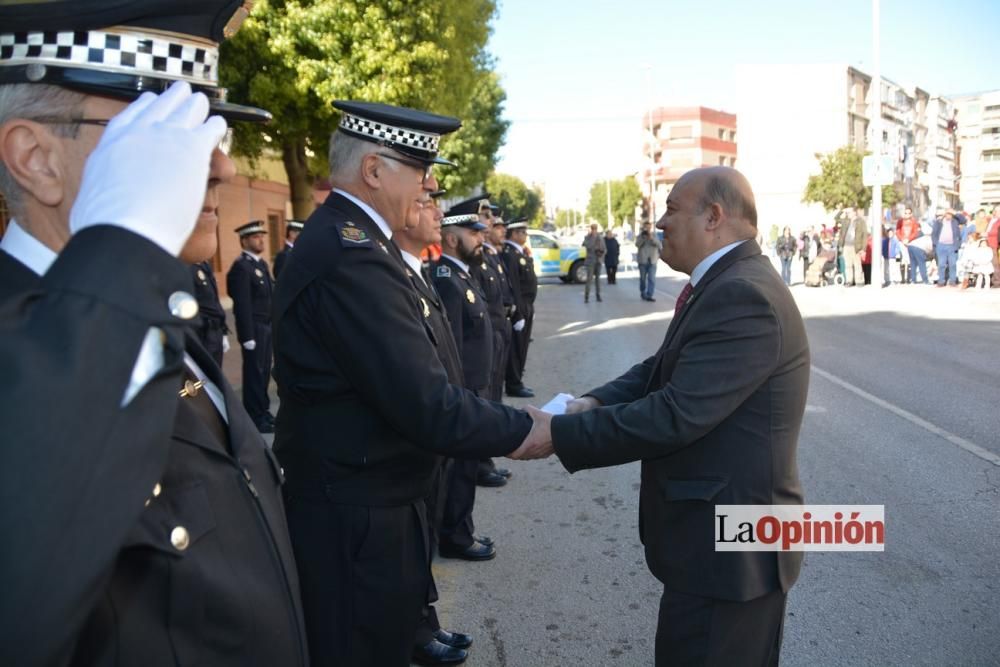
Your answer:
<point x="524" y="284"/>
<point x="212" y="330"/>
<point x="149" y="524"/>
<point x="250" y="286"/>
<point x="465" y="302"/>
<point x="432" y="645"/>
<point x="292" y="230"/>
<point x="366" y="406"/>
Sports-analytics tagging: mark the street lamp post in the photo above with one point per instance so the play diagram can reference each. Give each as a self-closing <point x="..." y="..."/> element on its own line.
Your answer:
<point x="876" y="209"/>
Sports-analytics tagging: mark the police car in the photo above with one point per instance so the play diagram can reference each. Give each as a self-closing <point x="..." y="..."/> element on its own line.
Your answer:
<point x="556" y="258"/>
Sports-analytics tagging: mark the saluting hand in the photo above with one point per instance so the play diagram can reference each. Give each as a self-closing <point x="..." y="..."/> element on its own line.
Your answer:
<point x="538" y="443"/>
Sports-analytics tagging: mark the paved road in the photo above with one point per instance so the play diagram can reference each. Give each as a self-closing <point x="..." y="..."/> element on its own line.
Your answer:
<point x="902" y="411"/>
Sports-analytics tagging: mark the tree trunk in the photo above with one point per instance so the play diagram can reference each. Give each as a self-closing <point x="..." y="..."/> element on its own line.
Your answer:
<point x="293" y="154"/>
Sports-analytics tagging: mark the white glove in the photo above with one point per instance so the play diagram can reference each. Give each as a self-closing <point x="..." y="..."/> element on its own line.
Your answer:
<point x="519" y="325"/>
<point x="225" y="344"/>
<point x="250" y="345"/>
<point x="149" y="171"/>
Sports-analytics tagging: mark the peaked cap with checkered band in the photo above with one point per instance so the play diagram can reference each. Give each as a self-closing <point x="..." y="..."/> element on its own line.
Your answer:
<point x="407" y="131"/>
<point x="121" y="48"/>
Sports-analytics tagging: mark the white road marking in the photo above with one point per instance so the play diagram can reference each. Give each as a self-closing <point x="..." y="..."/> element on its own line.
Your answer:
<point x="959" y="441"/>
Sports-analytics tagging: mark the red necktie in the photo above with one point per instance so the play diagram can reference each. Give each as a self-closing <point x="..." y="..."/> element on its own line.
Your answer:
<point x="682" y="298"/>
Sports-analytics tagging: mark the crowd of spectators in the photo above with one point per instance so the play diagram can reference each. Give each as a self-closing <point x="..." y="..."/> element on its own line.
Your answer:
<point x="949" y="248"/>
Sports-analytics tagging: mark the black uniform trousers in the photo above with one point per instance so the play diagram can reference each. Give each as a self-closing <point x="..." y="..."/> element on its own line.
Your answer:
<point x="429" y="623"/>
<point x="210" y="333"/>
<point x="706" y="632"/>
<point x="457" y="526"/>
<point x="366" y="608"/>
<point x="501" y="351"/>
<point x="518" y="356"/>
<point x="257" y="373"/>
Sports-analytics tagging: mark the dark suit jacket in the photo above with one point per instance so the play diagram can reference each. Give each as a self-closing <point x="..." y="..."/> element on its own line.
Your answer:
<point x="280" y="259"/>
<point x="365" y="402"/>
<point x="714" y="416"/>
<point x="95" y="577"/>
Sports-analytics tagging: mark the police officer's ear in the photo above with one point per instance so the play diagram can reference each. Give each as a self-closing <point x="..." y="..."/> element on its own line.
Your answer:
<point x="37" y="159"/>
<point x="372" y="168"/>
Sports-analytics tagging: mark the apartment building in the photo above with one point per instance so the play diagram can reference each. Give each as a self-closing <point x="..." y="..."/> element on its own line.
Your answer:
<point x="791" y="114"/>
<point x="978" y="130"/>
<point x="678" y="139"/>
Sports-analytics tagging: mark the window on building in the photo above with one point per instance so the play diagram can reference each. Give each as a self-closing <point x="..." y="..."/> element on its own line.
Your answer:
<point x="722" y="133"/>
<point x="991" y="130"/>
<point x="990" y="107"/>
<point x="681" y="159"/>
<point x="732" y="162"/>
<point x="722" y="160"/>
<point x="275" y="231"/>
<point x="991" y="156"/>
<point x="732" y="135"/>
<point x="680" y="132"/>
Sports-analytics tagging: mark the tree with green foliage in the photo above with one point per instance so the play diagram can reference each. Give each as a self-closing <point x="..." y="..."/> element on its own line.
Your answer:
<point x="475" y="146"/>
<point x="295" y="57"/>
<point x="839" y="184"/>
<point x="625" y="196"/>
<point x="516" y="199"/>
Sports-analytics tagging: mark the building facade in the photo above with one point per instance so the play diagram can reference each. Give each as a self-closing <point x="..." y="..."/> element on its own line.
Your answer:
<point x="789" y="115"/>
<point x="678" y="139"/>
<point x="978" y="124"/>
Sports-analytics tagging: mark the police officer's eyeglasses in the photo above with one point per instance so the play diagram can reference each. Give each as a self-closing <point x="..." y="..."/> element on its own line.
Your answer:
<point x="426" y="168"/>
<point x="54" y="120"/>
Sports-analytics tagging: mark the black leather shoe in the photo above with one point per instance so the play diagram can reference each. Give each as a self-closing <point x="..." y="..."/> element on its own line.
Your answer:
<point x="483" y="539"/>
<point x="520" y="392"/>
<point x="436" y="653"/>
<point x="491" y="479"/>
<point x="453" y="639"/>
<point x="477" y="551"/>
<point x="503" y="472"/>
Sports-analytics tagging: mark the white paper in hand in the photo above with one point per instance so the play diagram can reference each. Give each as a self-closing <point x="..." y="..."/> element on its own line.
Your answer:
<point x="557" y="406"/>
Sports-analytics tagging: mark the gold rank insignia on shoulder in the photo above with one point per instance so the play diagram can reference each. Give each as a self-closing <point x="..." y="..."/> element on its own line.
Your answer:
<point x="201" y="275"/>
<point x="500" y="269"/>
<point x="260" y="274"/>
<point x="191" y="388"/>
<point x="427" y="310"/>
<point x="470" y="296"/>
<point x="523" y="261"/>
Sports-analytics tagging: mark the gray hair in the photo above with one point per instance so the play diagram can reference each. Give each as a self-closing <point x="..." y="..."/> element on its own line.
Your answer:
<point x="32" y="100"/>
<point x="346" y="154"/>
<point x="724" y="191"/>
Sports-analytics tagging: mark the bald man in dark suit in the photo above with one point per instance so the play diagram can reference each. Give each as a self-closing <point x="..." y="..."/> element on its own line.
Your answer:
<point x="714" y="416"/>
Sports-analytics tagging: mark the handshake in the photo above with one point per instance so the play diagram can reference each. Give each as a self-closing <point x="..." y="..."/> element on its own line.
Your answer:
<point x="538" y="443"/>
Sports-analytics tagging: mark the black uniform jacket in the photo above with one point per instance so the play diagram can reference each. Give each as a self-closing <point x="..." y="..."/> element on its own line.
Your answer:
<point x="714" y="416"/>
<point x="468" y="313"/>
<point x="250" y="286"/>
<point x="206" y="291"/>
<point x="492" y="277"/>
<point x="280" y="259"/>
<point x="95" y="576"/>
<point x="438" y="327"/>
<point x="365" y="401"/>
<point x="523" y="281"/>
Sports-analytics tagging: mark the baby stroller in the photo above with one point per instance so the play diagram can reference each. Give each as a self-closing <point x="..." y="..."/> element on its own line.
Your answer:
<point x="823" y="270"/>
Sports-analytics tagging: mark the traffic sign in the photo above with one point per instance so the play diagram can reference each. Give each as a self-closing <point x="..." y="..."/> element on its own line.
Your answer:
<point x="877" y="170"/>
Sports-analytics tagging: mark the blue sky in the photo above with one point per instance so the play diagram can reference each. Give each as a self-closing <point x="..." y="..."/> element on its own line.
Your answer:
<point x="580" y="74"/>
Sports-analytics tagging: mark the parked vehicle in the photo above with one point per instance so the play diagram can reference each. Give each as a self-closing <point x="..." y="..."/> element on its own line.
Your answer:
<point x="556" y="258"/>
